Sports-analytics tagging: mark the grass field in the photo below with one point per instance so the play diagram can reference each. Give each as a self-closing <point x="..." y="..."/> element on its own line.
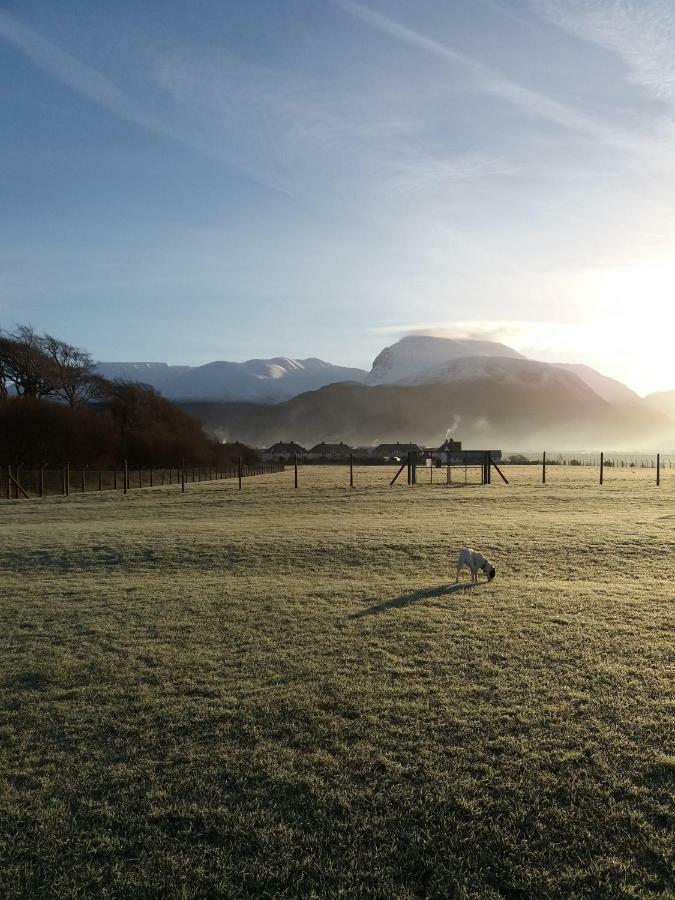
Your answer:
<point x="279" y="693"/>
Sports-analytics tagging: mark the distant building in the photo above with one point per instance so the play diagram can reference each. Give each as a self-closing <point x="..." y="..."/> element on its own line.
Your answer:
<point x="236" y="447"/>
<point x="394" y="451"/>
<point x="476" y="456"/>
<point x="233" y="450"/>
<point x="459" y="457"/>
<point x="362" y="452"/>
<point x="454" y="448"/>
<point x="329" y="451"/>
<point x="284" y="451"/>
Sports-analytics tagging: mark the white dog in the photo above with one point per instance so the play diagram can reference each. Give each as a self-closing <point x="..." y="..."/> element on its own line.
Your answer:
<point x="475" y="562"/>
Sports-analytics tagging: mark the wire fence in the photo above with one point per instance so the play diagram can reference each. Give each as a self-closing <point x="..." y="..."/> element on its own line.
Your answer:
<point x="17" y="482"/>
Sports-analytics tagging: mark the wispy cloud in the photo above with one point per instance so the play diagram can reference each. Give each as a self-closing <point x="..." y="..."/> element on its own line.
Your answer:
<point x="486" y="78"/>
<point x="373" y="144"/>
<point x="70" y="71"/>
<point x="641" y="33"/>
<point x="99" y="89"/>
<point x="529" y="336"/>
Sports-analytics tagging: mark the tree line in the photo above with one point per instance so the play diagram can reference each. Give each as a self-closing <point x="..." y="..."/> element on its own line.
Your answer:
<point x="56" y="408"/>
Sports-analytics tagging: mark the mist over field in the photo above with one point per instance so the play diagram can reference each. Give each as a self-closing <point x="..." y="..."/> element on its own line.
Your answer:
<point x="479" y="415"/>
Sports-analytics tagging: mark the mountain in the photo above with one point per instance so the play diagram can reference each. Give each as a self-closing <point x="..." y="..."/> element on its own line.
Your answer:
<point x="535" y="405"/>
<point x="257" y="380"/>
<point x="515" y="372"/>
<point x="663" y="402"/>
<point x="417" y="353"/>
<point x="429" y="360"/>
<point x="609" y="389"/>
<point x="263" y="400"/>
<point x="420" y="389"/>
<point x="158" y="374"/>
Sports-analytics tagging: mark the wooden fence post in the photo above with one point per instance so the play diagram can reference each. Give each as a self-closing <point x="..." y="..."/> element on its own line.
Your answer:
<point x="351" y="470"/>
<point x="396" y="475"/>
<point x="42" y="481"/>
<point x="543" y="468"/>
<point x="295" y="468"/>
<point x="658" y="469"/>
<point x="17" y="484"/>
<point x="84" y="486"/>
<point x="239" y="471"/>
<point x="126" y="476"/>
<point x="602" y="467"/>
<point x="9" y="482"/>
<point x="67" y="473"/>
<point x="100" y="480"/>
<point x="499" y="471"/>
<point x="182" y="476"/>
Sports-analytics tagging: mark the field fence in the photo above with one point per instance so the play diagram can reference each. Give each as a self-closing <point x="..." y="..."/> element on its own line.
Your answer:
<point x="454" y="475"/>
<point x="17" y="482"/>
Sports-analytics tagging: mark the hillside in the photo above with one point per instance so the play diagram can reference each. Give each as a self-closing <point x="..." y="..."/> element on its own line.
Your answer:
<point x="520" y="413"/>
<point x="663" y="402"/>
<point x="609" y="389"/>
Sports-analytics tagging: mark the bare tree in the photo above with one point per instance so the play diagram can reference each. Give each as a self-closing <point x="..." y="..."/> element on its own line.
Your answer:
<point x="4" y="378"/>
<point x="74" y="370"/>
<point x="24" y="364"/>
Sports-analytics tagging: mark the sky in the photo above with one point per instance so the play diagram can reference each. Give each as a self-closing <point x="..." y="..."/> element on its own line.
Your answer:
<point x="185" y="182"/>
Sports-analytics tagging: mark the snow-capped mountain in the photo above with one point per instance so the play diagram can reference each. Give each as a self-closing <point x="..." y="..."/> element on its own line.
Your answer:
<point x="257" y="380"/>
<point x="416" y="354"/>
<point x="413" y="360"/>
<point x="506" y="371"/>
<point x="433" y="360"/>
<point x="158" y="374"/>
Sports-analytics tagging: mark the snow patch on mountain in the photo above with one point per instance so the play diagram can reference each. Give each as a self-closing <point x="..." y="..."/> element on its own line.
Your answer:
<point x="257" y="380"/>
<point x="500" y="369"/>
<point x="417" y="354"/>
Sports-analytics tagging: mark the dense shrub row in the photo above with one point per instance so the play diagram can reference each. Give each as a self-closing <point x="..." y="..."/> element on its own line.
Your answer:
<point x="54" y="408"/>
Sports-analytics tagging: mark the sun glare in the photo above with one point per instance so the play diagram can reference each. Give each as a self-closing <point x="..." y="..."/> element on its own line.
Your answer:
<point x="630" y="335"/>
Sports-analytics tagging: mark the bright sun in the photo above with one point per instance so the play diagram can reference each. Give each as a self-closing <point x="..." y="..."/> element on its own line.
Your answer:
<point x="632" y="333"/>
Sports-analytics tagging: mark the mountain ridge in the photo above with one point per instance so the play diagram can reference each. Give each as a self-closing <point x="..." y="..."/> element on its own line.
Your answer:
<point x="419" y="388"/>
<point x="260" y="380"/>
<point x="415" y="359"/>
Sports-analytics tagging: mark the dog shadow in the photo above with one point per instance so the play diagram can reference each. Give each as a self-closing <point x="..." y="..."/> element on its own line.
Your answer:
<point x="411" y="597"/>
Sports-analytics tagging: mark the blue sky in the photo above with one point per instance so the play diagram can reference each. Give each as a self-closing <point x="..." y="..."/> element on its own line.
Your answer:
<point x="222" y="180"/>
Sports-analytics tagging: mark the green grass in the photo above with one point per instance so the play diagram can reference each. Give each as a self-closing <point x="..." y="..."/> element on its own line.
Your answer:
<point x="279" y="694"/>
